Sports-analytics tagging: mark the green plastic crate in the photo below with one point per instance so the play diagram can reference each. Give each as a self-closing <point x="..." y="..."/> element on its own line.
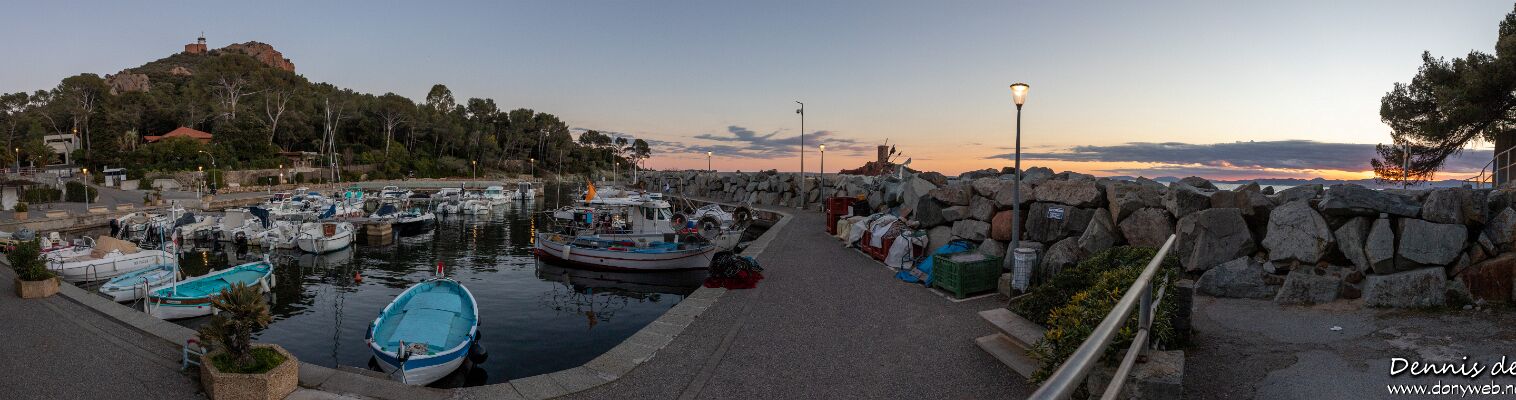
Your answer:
<point x="965" y="278"/>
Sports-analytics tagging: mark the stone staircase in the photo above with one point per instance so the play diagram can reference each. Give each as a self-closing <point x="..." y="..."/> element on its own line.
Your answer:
<point x="1015" y="337"/>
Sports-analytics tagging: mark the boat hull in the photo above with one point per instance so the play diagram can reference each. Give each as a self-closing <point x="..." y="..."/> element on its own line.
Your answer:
<point x="166" y="303"/>
<point x="584" y="257"/>
<point x="107" y="268"/>
<point x="136" y="288"/>
<point x="316" y="242"/>
<point x="422" y="370"/>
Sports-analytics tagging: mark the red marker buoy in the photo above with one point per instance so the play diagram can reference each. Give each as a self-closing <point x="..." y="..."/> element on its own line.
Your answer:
<point x="439" y="268"/>
<point x="357" y="278"/>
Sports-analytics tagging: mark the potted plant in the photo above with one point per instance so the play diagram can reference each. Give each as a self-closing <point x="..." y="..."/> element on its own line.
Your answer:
<point x="33" y="280"/>
<point x="20" y="211"/>
<point x="235" y="367"/>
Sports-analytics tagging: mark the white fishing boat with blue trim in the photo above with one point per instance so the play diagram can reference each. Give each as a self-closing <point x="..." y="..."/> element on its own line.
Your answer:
<point x="427" y="332"/>
<point x="192" y="297"/>
<point x="135" y="285"/>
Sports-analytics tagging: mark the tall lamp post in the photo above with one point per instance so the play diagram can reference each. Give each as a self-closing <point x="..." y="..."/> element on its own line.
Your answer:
<point x="475" y="163"/>
<point x="533" y="163"/>
<point x="708" y="162"/>
<point x="822" y="180"/>
<point x="85" y="172"/>
<point x="18" y="160"/>
<point x="801" y="111"/>
<point x="213" y="169"/>
<point x="1018" y="92"/>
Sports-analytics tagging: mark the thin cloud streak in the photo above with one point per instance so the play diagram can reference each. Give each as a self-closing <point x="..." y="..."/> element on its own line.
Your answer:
<point x="1236" y="157"/>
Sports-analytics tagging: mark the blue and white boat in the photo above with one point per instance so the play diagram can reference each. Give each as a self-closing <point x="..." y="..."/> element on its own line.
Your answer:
<point x="134" y="285"/>
<point x="427" y="332"/>
<point x="192" y="297"/>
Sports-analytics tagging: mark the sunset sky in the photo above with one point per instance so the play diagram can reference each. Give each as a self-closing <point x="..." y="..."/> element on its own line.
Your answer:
<point x="1217" y="89"/>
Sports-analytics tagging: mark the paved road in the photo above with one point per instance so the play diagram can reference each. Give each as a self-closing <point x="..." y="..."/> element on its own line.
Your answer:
<point x="827" y="322"/>
<point x="1297" y="355"/>
<point x="58" y="349"/>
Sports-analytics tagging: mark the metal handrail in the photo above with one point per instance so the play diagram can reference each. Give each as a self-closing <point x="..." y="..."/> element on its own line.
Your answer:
<point x="1498" y="172"/>
<point x="1071" y="374"/>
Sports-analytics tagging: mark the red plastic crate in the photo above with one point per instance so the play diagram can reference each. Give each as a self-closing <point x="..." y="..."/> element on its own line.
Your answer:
<point x="840" y="205"/>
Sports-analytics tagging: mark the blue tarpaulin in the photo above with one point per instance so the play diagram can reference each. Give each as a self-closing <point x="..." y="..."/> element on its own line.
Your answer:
<point x="922" y="273"/>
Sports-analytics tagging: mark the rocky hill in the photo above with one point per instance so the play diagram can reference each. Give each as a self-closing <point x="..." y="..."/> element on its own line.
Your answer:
<point x="179" y="66"/>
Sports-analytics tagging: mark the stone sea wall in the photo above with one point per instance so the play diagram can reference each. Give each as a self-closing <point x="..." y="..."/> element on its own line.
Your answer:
<point x="1303" y="245"/>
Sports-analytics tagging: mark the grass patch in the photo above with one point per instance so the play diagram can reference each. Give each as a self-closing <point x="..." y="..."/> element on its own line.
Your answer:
<point x="1040" y="302"/>
<point x="264" y="359"/>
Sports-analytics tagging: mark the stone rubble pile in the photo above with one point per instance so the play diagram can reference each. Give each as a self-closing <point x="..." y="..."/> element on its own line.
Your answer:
<point x="1303" y="245"/>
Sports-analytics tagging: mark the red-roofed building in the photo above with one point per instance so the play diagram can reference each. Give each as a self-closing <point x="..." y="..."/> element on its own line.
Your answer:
<point x="182" y="132"/>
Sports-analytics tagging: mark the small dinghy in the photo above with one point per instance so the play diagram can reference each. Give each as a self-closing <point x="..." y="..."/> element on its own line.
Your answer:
<point x="427" y="332"/>
<point x="134" y="285"/>
<point x="192" y="297"/>
<point x="324" y="237"/>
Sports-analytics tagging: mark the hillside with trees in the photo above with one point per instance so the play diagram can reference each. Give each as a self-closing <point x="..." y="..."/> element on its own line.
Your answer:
<point x="256" y="111"/>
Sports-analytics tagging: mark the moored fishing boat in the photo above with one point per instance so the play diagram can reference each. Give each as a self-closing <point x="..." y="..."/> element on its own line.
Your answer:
<point x="192" y="297"/>
<point x="626" y="252"/>
<point x="427" y="332"/>
<point x="406" y="223"/>
<point x="135" y="285"/>
<point x="324" y="237"/>
<point x="108" y="258"/>
<point x="496" y="195"/>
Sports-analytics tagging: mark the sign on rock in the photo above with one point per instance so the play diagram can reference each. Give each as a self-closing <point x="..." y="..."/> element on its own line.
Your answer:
<point x="1055" y="213"/>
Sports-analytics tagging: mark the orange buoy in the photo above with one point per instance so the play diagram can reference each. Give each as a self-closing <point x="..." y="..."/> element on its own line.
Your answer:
<point x="358" y="278"/>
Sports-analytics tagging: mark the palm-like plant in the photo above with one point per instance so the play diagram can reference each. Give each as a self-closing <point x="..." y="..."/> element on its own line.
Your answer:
<point x="242" y="309"/>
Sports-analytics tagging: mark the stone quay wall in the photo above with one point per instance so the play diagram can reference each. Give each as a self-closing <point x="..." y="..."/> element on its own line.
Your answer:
<point x="1303" y="245"/>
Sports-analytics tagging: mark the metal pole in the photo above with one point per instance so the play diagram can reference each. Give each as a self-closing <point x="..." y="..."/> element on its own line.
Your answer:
<point x="1016" y="196"/>
<point x="1405" y="167"/>
<point x="801" y="111"/>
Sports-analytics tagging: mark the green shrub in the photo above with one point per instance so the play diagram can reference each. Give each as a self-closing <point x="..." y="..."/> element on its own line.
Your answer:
<point x="1071" y="324"/>
<point x="242" y="310"/>
<point x="41" y="194"/>
<point x="26" y="259"/>
<point x="21" y="206"/>
<point x="1037" y="304"/>
<point x="299" y="177"/>
<point x="76" y="192"/>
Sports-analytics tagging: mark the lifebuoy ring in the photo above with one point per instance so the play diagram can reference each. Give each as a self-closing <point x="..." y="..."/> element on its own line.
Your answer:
<point x="742" y="215"/>
<point x="678" y="220"/>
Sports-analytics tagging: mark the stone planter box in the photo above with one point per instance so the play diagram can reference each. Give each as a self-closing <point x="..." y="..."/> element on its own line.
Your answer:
<point x="36" y="289"/>
<point x="20" y="215"/>
<point x="272" y="385"/>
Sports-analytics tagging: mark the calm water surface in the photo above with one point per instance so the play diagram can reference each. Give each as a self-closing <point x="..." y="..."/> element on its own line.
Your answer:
<point x="535" y="317"/>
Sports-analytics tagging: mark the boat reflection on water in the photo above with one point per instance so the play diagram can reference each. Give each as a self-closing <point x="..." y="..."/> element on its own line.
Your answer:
<point x="598" y="295"/>
<point x="336" y="259"/>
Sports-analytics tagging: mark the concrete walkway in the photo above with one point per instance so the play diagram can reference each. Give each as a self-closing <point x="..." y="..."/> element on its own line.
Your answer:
<point x="827" y="322"/>
<point x="58" y="349"/>
<point x="1298" y="355"/>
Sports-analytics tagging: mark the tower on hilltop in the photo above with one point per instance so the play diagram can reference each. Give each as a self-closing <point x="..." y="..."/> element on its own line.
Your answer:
<point x="198" y="47"/>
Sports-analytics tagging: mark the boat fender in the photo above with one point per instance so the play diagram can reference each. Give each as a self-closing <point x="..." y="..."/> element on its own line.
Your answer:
<point x="567" y="251"/>
<point x="476" y="352"/>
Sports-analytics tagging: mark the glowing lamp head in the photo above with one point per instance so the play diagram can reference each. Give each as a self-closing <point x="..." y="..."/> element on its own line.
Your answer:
<point x="1018" y="91"/>
<point x="823" y="148"/>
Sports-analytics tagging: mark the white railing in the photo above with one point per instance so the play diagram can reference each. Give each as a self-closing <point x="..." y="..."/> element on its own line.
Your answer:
<point x="1497" y="171"/>
<point x="1069" y="376"/>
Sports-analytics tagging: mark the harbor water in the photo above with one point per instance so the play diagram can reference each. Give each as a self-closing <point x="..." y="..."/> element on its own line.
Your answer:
<point x="535" y="317"/>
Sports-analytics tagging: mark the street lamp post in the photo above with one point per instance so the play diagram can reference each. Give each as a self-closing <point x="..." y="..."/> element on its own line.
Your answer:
<point x="1018" y="92"/>
<point x="533" y="163"/>
<point x="801" y="111"/>
<point x="475" y="163"/>
<point x="213" y="168"/>
<point x="822" y="180"/>
<point x="85" y="172"/>
<point x="18" y="160"/>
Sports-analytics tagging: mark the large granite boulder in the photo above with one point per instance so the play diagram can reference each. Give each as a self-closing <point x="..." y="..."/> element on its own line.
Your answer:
<point x="1078" y="193"/>
<point x="1148" y="227"/>
<point x="1297" y="232"/>
<point x="1299" y="193"/>
<point x="992" y="247"/>
<point x="1240" y="278"/>
<point x="1063" y="254"/>
<point x="936" y="178"/>
<point x="953" y="194"/>
<point x="1379" y="248"/>
<point x="911" y="191"/>
<point x="1502" y="230"/>
<point x="1351" y="238"/>
<point x="987" y="186"/>
<point x="981" y="208"/>
<point x="1181" y="200"/>
<point x="1353" y="200"/>
<point x="1099" y="235"/>
<point x="1125" y="197"/>
<point x="1000" y="225"/>
<point x="1424" y="243"/>
<point x="1454" y="206"/>
<point x="1210" y="237"/>
<point x="1310" y="286"/>
<point x="954" y="213"/>
<point x="971" y="229"/>
<point x="929" y="213"/>
<point x="1492" y="279"/>
<point x="1005" y="196"/>
<point x="1198" y="183"/>
<point x="1050" y="222"/>
<point x="937" y="237"/>
<point x="1037" y="175"/>
<point x="1419" y="288"/>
